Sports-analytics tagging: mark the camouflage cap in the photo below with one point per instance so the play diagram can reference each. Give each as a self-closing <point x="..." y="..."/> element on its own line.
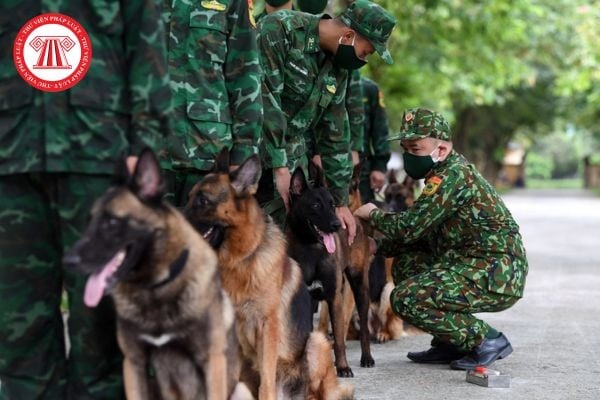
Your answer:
<point x="373" y="22"/>
<point x="311" y="6"/>
<point x="419" y="123"/>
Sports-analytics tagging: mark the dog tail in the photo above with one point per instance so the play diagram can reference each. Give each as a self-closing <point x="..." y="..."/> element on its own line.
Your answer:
<point x="322" y="378"/>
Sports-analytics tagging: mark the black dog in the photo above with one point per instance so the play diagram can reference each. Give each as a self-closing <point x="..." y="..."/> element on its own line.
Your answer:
<point x="322" y="252"/>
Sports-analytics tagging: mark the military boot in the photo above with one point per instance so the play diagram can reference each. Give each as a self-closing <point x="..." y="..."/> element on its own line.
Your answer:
<point x="485" y="353"/>
<point x="442" y="353"/>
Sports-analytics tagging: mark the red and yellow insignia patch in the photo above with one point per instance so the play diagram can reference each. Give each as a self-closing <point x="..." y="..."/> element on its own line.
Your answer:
<point x="431" y="185"/>
<point x="251" y="13"/>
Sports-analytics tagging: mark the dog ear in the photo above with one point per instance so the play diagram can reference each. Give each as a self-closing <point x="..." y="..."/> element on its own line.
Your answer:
<point x="245" y="178"/>
<point x="392" y="176"/>
<point x="222" y="161"/>
<point x="298" y="182"/>
<point x="316" y="174"/>
<point x="147" y="183"/>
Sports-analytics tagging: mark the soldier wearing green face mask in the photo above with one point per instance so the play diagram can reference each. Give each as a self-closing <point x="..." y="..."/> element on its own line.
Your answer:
<point x="457" y="251"/>
<point x="306" y="61"/>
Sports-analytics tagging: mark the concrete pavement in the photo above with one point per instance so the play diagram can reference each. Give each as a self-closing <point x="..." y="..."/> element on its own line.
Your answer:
<point x="554" y="329"/>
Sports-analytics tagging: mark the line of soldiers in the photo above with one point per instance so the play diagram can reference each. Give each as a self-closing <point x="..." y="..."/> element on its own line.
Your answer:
<point x="278" y="89"/>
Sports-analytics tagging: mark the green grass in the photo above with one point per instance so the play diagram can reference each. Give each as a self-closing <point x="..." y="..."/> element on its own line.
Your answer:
<point x="575" y="183"/>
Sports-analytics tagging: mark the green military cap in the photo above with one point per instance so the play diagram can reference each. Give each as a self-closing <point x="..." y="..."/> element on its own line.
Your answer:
<point x="419" y="123"/>
<point x="311" y="6"/>
<point x="373" y="22"/>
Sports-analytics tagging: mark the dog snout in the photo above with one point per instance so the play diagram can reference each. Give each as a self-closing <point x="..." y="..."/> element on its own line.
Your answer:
<point x="335" y="225"/>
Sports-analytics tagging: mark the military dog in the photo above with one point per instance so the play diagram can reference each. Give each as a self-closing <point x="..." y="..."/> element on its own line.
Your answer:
<point x="399" y="195"/>
<point x="282" y="358"/>
<point x="172" y="313"/>
<point x="324" y="255"/>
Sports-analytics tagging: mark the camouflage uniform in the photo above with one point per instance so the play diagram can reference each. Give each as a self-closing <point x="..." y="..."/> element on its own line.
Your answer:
<point x="356" y="111"/>
<point x="304" y="96"/>
<point x="376" y="148"/>
<point x="57" y="153"/>
<point x="215" y="79"/>
<point x="457" y="251"/>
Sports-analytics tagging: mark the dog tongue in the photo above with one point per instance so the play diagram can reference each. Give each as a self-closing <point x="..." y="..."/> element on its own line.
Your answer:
<point x="329" y="242"/>
<point x="96" y="283"/>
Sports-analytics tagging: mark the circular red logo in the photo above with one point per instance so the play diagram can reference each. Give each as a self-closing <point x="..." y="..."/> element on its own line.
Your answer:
<point x="52" y="52"/>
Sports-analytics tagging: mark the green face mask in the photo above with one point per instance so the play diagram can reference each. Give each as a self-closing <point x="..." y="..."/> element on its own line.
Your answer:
<point x="346" y="58"/>
<point x="418" y="166"/>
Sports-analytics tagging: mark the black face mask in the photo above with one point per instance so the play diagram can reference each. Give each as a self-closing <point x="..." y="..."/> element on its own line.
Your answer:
<point x="346" y="57"/>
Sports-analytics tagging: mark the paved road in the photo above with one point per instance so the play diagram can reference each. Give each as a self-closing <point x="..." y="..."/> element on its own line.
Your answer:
<point x="554" y="329"/>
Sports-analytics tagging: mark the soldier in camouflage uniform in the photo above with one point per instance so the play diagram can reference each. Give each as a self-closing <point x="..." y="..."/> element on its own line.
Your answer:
<point x="458" y="250"/>
<point x="376" y="152"/>
<point x="57" y="155"/>
<point x="215" y="79"/>
<point x="306" y="61"/>
<point x="272" y="6"/>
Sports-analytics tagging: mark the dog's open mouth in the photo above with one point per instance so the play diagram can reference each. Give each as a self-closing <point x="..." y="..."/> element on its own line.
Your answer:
<point x="101" y="282"/>
<point x="327" y="238"/>
<point x="213" y="234"/>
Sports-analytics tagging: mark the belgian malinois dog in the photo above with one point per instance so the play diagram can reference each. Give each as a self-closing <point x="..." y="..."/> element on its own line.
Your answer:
<point x="172" y="313"/>
<point x="281" y="357"/>
<point x="322" y="251"/>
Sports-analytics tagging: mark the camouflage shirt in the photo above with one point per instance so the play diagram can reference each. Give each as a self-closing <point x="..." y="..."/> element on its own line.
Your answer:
<point x="215" y="79"/>
<point x="303" y="95"/>
<point x="460" y="219"/>
<point x="376" y="145"/>
<point x="356" y="111"/>
<point x="119" y="106"/>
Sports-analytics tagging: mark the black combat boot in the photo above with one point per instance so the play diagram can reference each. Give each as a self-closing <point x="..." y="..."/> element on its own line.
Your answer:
<point x="442" y="353"/>
<point x="485" y="353"/>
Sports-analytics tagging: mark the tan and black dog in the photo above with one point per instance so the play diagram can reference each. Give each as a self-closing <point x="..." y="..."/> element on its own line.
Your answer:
<point x="282" y="358"/>
<point x="172" y="313"/>
<point x="325" y="257"/>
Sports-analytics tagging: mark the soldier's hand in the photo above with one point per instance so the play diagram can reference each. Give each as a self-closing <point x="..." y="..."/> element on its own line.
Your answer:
<point x="377" y="179"/>
<point x="363" y="211"/>
<point x="282" y="184"/>
<point x="348" y="222"/>
<point x="355" y="158"/>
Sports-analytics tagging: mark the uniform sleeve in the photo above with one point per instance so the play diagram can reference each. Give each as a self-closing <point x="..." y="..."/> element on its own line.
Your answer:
<point x="243" y="80"/>
<point x="273" y="46"/>
<point x="148" y="80"/>
<point x="435" y="204"/>
<point x="333" y="144"/>
<point x="379" y="133"/>
<point x="356" y="111"/>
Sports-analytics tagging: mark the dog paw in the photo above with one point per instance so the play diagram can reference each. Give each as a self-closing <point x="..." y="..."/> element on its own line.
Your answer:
<point x="345" y="372"/>
<point x="382" y="337"/>
<point x="367" y="361"/>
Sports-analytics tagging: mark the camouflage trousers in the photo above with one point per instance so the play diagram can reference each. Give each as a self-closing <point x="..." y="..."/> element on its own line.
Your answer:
<point x="441" y="302"/>
<point x="40" y="217"/>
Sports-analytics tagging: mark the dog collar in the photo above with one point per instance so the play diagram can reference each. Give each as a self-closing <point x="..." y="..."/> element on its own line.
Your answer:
<point x="174" y="270"/>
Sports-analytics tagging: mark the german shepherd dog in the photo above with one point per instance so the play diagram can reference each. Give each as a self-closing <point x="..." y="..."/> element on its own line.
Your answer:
<point x="172" y="313"/>
<point x="322" y="251"/>
<point x="399" y="195"/>
<point x="281" y="357"/>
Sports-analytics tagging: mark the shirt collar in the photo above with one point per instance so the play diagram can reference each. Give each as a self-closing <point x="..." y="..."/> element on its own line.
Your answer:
<point x="313" y="42"/>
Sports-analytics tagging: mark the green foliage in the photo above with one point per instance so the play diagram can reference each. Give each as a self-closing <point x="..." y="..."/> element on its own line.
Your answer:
<point x="538" y="166"/>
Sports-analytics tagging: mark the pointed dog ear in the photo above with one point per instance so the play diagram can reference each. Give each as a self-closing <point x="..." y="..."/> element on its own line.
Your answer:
<point x="316" y="174"/>
<point x="147" y="183"/>
<point x="298" y="182"/>
<point x="222" y="161"/>
<point x="392" y="176"/>
<point x="245" y="178"/>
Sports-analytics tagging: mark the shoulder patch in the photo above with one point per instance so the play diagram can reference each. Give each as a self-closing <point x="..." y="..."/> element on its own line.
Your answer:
<point x="213" y="5"/>
<point x="432" y="185"/>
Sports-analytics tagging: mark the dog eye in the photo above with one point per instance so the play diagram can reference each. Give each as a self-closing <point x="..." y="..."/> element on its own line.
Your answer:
<point x="316" y="206"/>
<point x="201" y="201"/>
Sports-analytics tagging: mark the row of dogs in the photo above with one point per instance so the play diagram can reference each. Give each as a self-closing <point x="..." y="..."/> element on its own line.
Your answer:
<point x="212" y="300"/>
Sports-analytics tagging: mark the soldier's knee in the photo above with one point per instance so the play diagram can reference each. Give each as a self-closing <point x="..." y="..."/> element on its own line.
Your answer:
<point x="402" y="302"/>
